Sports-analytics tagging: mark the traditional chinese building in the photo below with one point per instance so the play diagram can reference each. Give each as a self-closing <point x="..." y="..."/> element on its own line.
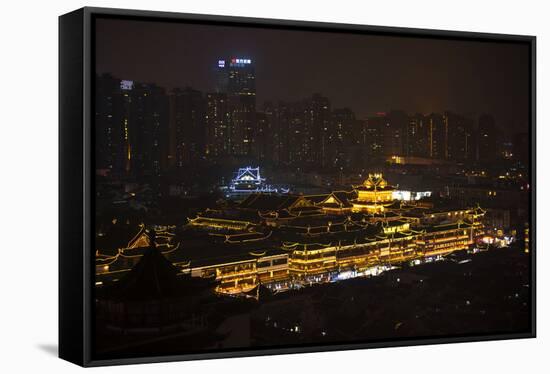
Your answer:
<point x="114" y="259"/>
<point x="373" y="195"/>
<point x="338" y="202"/>
<point x="248" y="180"/>
<point x="153" y="295"/>
<point x="284" y="240"/>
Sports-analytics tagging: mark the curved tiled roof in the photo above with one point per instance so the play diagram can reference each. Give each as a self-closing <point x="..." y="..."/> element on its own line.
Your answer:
<point x="375" y="182"/>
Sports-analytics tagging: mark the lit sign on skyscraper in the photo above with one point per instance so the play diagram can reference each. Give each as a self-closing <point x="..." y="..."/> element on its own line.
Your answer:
<point x="126" y="85"/>
<point x="221" y="63"/>
<point x="243" y="61"/>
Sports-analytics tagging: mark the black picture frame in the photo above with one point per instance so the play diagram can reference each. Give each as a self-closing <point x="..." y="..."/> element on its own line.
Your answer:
<point x="76" y="188"/>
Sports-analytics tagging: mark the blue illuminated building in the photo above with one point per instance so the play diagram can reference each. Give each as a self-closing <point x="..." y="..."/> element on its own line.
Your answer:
<point x="248" y="180"/>
<point x="236" y="81"/>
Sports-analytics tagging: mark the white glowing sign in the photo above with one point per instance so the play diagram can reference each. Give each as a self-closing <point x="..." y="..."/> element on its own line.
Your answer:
<point x="241" y="61"/>
<point x="410" y="195"/>
<point x="126" y="85"/>
<point x="221" y="63"/>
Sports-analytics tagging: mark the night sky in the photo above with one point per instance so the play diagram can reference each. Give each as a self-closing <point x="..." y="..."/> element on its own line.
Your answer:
<point x="366" y="73"/>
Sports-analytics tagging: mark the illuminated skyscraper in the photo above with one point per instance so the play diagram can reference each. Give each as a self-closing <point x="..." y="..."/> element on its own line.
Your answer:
<point x="187" y="130"/>
<point x="280" y="117"/>
<point x="386" y="134"/>
<point x="486" y="139"/>
<point x="394" y="130"/>
<point x="263" y="145"/>
<point x="461" y="140"/>
<point x="417" y="136"/>
<point x="148" y="129"/>
<point x="317" y="130"/>
<point x="374" y="137"/>
<point x="217" y="126"/>
<point x="237" y="80"/>
<point x="109" y="125"/>
<point x="437" y="136"/>
<point x="131" y="127"/>
<point x="342" y="137"/>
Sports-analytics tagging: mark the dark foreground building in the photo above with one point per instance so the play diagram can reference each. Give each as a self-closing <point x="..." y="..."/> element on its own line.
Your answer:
<point x="153" y="297"/>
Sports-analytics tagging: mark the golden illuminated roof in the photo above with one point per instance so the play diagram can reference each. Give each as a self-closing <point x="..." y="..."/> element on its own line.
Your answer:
<point x="375" y="182"/>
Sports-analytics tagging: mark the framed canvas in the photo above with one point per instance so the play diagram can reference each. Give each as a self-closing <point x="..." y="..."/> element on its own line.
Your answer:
<point x="235" y="186"/>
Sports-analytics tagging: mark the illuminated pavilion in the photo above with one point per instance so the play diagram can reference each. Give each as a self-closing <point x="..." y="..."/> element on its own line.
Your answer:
<point x="249" y="180"/>
<point x="373" y="195"/>
<point x="285" y="241"/>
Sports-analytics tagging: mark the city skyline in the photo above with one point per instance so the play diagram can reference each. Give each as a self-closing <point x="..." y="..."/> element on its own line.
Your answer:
<point x="153" y="129"/>
<point x="263" y="187"/>
<point x="472" y="78"/>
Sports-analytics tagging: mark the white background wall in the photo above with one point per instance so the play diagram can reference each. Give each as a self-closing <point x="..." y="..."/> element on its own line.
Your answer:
<point x="28" y="172"/>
